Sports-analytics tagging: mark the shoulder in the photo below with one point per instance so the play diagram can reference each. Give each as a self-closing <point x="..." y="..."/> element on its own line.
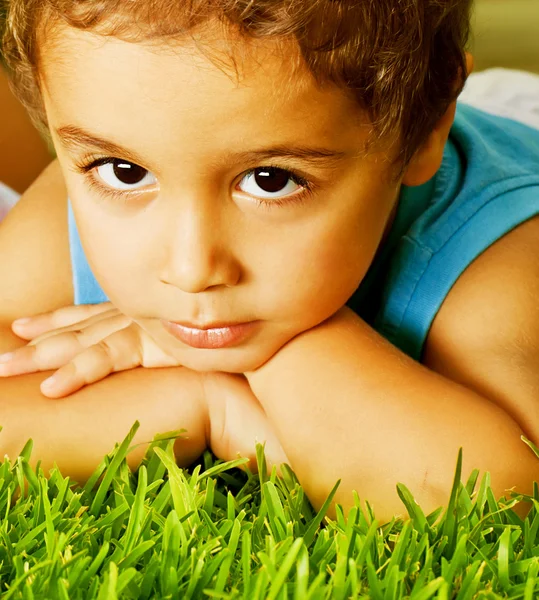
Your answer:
<point x="486" y="333"/>
<point x="35" y="269"/>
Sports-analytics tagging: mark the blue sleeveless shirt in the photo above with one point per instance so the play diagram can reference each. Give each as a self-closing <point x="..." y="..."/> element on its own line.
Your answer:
<point x="487" y="185"/>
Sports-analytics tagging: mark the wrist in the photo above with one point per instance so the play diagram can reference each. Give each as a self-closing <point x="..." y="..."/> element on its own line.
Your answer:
<point x="208" y="394"/>
<point x="238" y="421"/>
<point x="195" y="381"/>
<point x="216" y="392"/>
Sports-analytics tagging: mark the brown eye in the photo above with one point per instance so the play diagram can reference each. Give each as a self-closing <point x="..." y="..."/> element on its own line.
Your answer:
<point x="128" y="173"/>
<point x="122" y="175"/>
<point x="269" y="182"/>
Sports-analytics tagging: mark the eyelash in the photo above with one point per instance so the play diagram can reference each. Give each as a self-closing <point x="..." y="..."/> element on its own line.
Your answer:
<point x="87" y="165"/>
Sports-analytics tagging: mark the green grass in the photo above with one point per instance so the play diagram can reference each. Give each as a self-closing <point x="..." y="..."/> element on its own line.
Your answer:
<point x="215" y="531"/>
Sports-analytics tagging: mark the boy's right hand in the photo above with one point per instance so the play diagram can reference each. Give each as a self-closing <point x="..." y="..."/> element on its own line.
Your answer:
<point x="86" y="343"/>
<point x="238" y="421"/>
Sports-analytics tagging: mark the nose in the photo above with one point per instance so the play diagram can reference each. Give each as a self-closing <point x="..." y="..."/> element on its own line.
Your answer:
<point x="198" y="255"/>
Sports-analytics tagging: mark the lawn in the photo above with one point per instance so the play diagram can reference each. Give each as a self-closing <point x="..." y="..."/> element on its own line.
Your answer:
<point x="215" y="531"/>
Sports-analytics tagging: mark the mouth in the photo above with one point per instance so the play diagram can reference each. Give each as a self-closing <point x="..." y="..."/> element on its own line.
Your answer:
<point x="210" y="336"/>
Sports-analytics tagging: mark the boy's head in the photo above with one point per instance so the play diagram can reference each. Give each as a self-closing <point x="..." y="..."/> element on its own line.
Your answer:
<point x="254" y="149"/>
<point x="403" y="61"/>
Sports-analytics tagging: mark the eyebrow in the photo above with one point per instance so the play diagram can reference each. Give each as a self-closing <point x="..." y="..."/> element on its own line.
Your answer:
<point x="75" y="138"/>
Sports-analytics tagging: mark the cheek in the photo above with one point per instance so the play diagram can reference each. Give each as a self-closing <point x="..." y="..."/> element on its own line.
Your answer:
<point x="340" y="254"/>
<point x="120" y="258"/>
<point x="324" y="267"/>
<point x="337" y="263"/>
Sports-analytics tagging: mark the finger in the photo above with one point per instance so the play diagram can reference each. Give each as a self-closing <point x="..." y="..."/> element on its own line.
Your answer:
<point x="60" y="384"/>
<point x="91" y="330"/>
<point x="50" y="354"/>
<point x="92" y="365"/>
<point x="56" y="319"/>
<point x="54" y="351"/>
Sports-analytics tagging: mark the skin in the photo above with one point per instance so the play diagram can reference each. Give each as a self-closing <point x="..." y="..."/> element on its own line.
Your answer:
<point x="192" y="243"/>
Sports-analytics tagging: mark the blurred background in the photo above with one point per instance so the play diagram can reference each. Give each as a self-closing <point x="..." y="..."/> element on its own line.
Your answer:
<point x="505" y="34"/>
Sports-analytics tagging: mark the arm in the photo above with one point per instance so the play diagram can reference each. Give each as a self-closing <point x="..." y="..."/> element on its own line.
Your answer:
<point x="76" y="432"/>
<point x="217" y="409"/>
<point x="347" y="404"/>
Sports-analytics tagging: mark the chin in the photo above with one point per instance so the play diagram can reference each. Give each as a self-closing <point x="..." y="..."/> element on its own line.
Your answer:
<point x="215" y="360"/>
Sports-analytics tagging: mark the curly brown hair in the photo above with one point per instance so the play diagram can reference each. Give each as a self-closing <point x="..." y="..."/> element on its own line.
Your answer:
<point x="403" y="60"/>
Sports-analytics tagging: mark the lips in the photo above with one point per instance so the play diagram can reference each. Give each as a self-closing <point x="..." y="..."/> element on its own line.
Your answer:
<point x="216" y="325"/>
<point x="213" y="336"/>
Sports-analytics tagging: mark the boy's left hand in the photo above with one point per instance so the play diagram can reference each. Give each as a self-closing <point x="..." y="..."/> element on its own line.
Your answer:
<point x="86" y="343"/>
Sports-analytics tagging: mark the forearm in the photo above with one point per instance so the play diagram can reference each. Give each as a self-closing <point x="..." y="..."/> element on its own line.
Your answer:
<point x="217" y="409"/>
<point x="346" y="404"/>
<point x="77" y="431"/>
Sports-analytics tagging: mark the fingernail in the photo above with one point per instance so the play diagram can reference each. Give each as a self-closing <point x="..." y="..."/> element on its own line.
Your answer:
<point x="50" y="381"/>
<point x="4" y="358"/>
<point x="21" y="321"/>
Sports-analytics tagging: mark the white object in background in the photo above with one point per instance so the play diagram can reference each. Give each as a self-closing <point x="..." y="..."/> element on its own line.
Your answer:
<point x="506" y="93"/>
<point x="8" y="199"/>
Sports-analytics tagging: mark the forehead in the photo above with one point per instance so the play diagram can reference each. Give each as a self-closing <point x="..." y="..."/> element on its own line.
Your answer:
<point x="192" y="90"/>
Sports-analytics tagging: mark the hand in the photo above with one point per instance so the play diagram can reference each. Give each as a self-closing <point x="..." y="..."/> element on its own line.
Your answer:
<point x="86" y="343"/>
<point x="238" y="422"/>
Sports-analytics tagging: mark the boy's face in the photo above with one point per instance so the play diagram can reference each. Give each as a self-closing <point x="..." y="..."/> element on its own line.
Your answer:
<point x="185" y="237"/>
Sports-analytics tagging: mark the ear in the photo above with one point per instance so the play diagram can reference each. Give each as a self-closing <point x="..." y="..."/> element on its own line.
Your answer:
<point x="428" y="158"/>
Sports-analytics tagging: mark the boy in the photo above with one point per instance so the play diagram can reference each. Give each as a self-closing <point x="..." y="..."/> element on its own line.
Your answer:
<point x="269" y="196"/>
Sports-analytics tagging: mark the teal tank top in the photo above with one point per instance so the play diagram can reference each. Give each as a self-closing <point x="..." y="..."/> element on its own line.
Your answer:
<point x="487" y="185"/>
